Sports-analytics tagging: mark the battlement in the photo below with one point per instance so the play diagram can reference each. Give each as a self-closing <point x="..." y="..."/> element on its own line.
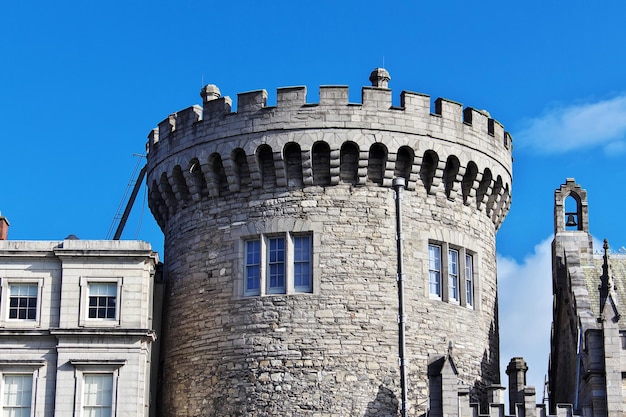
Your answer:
<point x="211" y="151"/>
<point x="449" y="397"/>
<point x="333" y="110"/>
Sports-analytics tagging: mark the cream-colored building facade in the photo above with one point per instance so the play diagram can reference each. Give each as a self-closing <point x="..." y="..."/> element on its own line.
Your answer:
<point x="76" y="327"/>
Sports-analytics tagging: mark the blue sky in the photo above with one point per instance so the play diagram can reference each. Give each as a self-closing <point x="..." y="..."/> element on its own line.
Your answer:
<point x="82" y="84"/>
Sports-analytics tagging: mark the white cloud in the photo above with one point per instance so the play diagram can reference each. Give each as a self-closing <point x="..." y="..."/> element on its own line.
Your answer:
<point x="583" y="126"/>
<point x="525" y="301"/>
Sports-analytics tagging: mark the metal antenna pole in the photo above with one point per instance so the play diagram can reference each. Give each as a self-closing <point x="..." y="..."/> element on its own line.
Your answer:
<point x="131" y="201"/>
<point x="398" y="185"/>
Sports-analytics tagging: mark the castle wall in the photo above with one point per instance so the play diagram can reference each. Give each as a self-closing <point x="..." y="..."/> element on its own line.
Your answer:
<point x="219" y="180"/>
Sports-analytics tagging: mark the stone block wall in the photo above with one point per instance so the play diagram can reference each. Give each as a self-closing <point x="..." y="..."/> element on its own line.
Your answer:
<point x="218" y="178"/>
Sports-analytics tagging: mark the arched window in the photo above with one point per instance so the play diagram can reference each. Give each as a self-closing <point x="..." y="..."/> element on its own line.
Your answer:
<point x="349" y="163"/>
<point x="293" y="162"/>
<point x="321" y="163"/>
<point x="376" y="163"/>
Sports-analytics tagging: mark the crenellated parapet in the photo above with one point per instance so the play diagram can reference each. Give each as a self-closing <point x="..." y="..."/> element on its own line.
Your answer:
<point x="216" y="119"/>
<point x="213" y="151"/>
<point x="522" y="397"/>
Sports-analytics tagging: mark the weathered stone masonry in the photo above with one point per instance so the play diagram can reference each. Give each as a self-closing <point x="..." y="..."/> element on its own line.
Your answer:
<point x="217" y="178"/>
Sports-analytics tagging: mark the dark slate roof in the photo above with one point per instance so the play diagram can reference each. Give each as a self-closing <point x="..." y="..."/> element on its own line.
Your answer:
<point x="593" y="274"/>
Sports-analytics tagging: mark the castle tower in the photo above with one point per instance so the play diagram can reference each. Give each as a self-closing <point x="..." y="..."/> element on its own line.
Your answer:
<point x="589" y="290"/>
<point x="280" y="249"/>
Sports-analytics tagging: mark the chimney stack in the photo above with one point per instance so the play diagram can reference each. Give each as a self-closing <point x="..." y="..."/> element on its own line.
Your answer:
<point x="4" y="227"/>
<point x="517" y="382"/>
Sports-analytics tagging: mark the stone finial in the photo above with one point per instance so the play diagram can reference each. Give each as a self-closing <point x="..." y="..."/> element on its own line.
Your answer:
<point x="380" y="78"/>
<point x="210" y="92"/>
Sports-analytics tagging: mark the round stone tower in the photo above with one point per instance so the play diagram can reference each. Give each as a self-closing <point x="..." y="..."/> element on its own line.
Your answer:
<point x="281" y="254"/>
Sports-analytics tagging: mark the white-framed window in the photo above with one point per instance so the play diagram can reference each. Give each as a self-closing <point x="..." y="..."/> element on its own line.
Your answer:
<point x="18" y="387"/>
<point x="278" y="264"/>
<point x="97" y="386"/>
<point x="17" y="394"/>
<point x="253" y="267"/>
<point x="302" y="263"/>
<point x="23" y="301"/>
<point x="276" y="259"/>
<point x="469" y="280"/>
<point x="100" y="301"/>
<point x="453" y="275"/>
<point x="434" y="270"/>
<point x="457" y="265"/>
<point x="20" y="304"/>
<point x="97" y="394"/>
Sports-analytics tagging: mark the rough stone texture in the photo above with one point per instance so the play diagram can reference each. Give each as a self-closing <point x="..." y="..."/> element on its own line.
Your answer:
<point x="216" y="178"/>
<point x="588" y="359"/>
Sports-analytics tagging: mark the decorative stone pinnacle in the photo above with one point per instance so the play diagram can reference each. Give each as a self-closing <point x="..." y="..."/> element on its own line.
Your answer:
<point x="210" y="92"/>
<point x="380" y="78"/>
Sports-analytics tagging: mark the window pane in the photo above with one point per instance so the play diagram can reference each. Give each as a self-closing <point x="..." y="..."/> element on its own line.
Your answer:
<point x="103" y="288"/>
<point x="453" y="274"/>
<point x="97" y="396"/>
<point x="253" y="252"/>
<point x="302" y="263"/>
<point x="17" y="395"/>
<point x="253" y="266"/>
<point x="469" y="280"/>
<point x="276" y="265"/>
<point x="102" y="300"/>
<point x="434" y="269"/>
<point x="23" y="301"/>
